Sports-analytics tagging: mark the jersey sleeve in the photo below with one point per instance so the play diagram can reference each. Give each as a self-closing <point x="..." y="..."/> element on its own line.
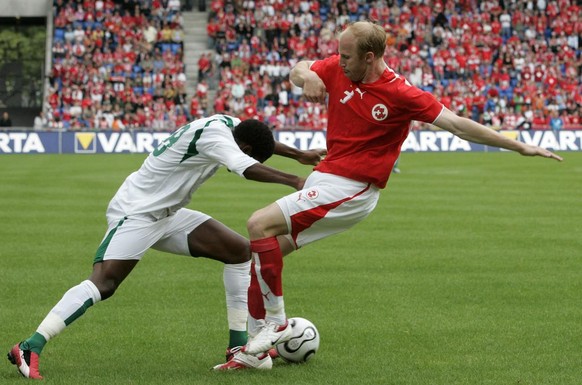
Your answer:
<point x="419" y="104"/>
<point x="217" y="143"/>
<point x="323" y="68"/>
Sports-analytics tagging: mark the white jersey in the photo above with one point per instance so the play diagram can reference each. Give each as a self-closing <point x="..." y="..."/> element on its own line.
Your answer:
<point x="179" y="166"/>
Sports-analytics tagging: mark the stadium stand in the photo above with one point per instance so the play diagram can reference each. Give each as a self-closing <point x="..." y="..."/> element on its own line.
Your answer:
<point x="508" y="64"/>
<point x="117" y="65"/>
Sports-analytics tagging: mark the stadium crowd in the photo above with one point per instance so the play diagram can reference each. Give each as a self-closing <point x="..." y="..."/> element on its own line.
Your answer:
<point x="116" y="65"/>
<point x="508" y="64"/>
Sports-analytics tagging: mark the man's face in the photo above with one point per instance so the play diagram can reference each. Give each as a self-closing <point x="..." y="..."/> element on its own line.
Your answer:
<point x="353" y="66"/>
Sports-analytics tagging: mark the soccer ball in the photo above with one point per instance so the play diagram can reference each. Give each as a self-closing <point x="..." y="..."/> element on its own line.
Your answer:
<point x="303" y="344"/>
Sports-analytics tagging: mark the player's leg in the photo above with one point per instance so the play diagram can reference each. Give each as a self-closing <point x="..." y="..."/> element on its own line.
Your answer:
<point x="264" y="227"/>
<point x="193" y="233"/>
<point x="102" y="283"/>
<point x="119" y="242"/>
<point x="109" y="274"/>
<point x="196" y="234"/>
<point x="256" y="304"/>
<point x="265" y="294"/>
<point x="71" y="306"/>
<point x="327" y="205"/>
<point x="256" y="310"/>
<point x="214" y="240"/>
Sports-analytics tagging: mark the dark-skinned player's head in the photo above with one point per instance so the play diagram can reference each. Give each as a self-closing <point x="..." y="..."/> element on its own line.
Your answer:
<point x="255" y="139"/>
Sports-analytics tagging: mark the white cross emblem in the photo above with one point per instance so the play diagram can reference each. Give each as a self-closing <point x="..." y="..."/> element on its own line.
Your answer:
<point x="380" y="112"/>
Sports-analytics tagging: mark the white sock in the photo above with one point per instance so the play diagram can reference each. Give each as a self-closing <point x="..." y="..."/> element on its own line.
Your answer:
<point x="237" y="279"/>
<point x="255" y="326"/>
<point x="73" y="304"/>
<point x="276" y="315"/>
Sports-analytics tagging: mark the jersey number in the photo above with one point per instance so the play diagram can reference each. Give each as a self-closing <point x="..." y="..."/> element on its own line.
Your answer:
<point x="170" y="140"/>
<point x="192" y="151"/>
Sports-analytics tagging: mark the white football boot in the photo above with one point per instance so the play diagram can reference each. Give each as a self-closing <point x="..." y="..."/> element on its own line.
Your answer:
<point x="270" y="335"/>
<point x="241" y="360"/>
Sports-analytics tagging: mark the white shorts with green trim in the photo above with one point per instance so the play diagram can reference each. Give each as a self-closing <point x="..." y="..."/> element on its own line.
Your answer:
<point x="128" y="238"/>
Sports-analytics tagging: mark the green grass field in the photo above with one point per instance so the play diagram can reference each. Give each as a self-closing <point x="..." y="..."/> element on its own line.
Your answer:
<point x="468" y="272"/>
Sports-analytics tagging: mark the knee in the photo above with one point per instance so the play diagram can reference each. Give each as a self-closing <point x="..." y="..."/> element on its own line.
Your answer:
<point x="267" y="222"/>
<point x="106" y="287"/>
<point x="256" y="225"/>
<point x="239" y="253"/>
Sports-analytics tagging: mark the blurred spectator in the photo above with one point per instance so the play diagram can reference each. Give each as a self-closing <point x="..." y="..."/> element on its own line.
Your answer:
<point x="40" y="122"/>
<point x="204" y="66"/>
<point x="5" y="121"/>
<point x="556" y="123"/>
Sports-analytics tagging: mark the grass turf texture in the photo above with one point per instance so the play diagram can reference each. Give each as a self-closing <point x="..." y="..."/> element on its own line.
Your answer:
<point x="468" y="272"/>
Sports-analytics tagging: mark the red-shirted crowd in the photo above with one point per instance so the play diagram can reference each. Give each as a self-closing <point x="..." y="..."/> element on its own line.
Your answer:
<point x="117" y="65"/>
<point x="507" y="64"/>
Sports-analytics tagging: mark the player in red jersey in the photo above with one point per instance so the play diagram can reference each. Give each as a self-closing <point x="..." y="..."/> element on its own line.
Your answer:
<point x="370" y="111"/>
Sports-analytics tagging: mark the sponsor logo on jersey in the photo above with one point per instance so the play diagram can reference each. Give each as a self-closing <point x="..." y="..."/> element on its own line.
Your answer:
<point x="380" y="112"/>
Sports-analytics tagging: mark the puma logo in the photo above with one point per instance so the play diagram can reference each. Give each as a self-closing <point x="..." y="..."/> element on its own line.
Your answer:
<point x="360" y="92"/>
<point x="350" y="94"/>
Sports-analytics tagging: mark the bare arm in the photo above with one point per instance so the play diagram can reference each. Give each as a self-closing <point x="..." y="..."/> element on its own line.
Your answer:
<point x="304" y="157"/>
<point x="313" y="87"/>
<point x="261" y="173"/>
<point x="474" y="132"/>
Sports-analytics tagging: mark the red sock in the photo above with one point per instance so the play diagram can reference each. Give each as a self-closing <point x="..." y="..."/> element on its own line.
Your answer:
<point x="268" y="255"/>
<point x="268" y="267"/>
<point x="255" y="297"/>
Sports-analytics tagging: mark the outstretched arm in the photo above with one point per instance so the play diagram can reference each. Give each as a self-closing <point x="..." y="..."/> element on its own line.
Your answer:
<point x="474" y="132"/>
<point x="312" y="157"/>
<point x="261" y="173"/>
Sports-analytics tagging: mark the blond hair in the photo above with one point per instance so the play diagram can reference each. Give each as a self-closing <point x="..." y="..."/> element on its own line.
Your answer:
<point x="370" y="37"/>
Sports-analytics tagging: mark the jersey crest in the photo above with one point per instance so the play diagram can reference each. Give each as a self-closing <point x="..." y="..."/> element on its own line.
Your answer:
<point x="380" y="112"/>
<point x="312" y="194"/>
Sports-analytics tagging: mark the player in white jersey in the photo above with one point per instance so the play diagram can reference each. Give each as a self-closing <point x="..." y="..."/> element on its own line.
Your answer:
<point x="148" y="211"/>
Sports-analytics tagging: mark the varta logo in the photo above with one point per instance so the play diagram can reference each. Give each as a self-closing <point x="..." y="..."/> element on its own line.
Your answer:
<point x="85" y="142"/>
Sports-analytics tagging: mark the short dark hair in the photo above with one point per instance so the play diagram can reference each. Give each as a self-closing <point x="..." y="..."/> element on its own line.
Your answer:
<point x="258" y="135"/>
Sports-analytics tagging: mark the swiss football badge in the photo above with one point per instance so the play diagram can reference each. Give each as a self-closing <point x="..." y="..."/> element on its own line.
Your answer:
<point x="311" y="194"/>
<point x="379" y="112"/>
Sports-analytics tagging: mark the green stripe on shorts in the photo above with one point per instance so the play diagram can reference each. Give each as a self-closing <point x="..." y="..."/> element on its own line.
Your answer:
<point x="103" y="246"/>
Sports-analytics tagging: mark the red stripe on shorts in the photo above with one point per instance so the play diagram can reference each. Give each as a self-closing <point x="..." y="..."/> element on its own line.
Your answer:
<point x="305" y="219"/>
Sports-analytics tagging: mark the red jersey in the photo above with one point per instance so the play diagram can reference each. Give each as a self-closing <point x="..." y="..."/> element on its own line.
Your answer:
<point x="369" y="122"/>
